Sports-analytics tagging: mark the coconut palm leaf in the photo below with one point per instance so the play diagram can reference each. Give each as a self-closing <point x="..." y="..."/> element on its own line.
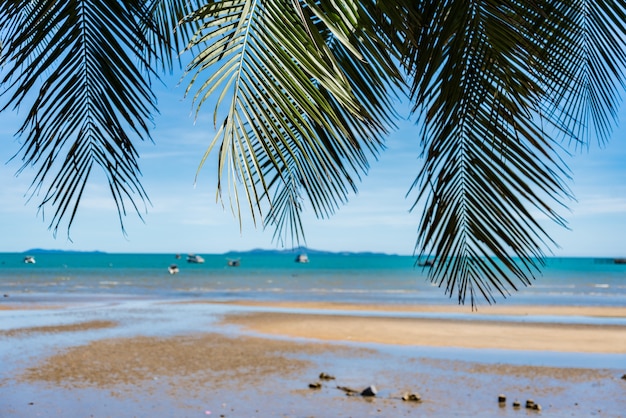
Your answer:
<point x="300" y="108"/>
<point x="581" y="62"/>
<point x="164" y="31"/>
<point x="86" y="65"/>
<point x="485" y="75"/>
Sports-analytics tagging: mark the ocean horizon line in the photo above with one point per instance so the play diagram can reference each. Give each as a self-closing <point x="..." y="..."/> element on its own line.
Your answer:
<point x="292" y="251"/>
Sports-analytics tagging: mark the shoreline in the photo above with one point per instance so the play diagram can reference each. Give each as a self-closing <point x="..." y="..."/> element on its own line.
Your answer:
<point x="511" y="327"/>
<point x="512" y="310"/>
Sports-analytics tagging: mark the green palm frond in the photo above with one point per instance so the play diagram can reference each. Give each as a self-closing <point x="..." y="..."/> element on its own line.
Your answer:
<point x="487" y="161"/>
<point x="165" y="32"/>
<point x="85" y="63"/>
<point x="580" y="65"/>
<point x="301" y="106"/>
<point x="495" y="85"/>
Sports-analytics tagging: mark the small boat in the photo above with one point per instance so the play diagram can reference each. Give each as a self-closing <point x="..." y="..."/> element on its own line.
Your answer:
<point x="196" y="259"/>
<point x="233" y="262"/>
<point x="302" y="258"/>
<point x="173" y="269"/>
<point x="29" y="259"/>
<point x="426" y="263"/>
<point x="619" y="261"/>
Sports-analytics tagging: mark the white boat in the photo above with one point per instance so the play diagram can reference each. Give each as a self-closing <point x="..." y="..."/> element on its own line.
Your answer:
<point x="192" y="258"/>
<point x="173" y="269"/>
<point x="29" y="259"/>
<point x="302" y="258"/>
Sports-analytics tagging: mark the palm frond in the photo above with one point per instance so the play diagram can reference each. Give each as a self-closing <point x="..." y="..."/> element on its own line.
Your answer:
<point x="85" y="64"/>
<point x="164" y="31"/>
<point x="580" y="65"/>
<point x="487" y="161"/>
<point x="302" y="107"/>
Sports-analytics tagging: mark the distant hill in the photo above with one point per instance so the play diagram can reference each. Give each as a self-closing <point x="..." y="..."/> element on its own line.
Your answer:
<point x="256" y="251"/>
<point x="302" y="250"/>
<point x="44" y="251"/>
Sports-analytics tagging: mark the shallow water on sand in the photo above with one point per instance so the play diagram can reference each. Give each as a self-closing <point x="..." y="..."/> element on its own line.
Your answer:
<point x="452" y="382"/>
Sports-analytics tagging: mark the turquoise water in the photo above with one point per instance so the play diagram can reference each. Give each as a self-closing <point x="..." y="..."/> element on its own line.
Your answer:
<point x="357" y="278"/>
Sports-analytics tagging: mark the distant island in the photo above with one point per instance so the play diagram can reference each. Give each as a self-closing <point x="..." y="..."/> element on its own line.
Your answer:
<point x="309" y="251"/>
<point x="44" y="251"/>
<point x="255" y="251"/>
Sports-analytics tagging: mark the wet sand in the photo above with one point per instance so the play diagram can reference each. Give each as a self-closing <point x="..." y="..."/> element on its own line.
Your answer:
<point x="439" y="332"/>
<point x="242" y="363"/>
<point x="503" y="309"/>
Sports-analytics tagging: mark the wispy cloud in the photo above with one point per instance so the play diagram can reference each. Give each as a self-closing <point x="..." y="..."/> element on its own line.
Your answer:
<point x="599" y="205"/>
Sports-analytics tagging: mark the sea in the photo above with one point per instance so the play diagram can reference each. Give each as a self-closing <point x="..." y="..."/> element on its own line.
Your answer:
<point x="275" y="276"/>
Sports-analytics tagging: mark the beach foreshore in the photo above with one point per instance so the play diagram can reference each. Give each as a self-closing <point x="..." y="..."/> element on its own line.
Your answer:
<point x="501" y="309"/>
<point x="468" y="330"/>
<point x="257" y="359"/>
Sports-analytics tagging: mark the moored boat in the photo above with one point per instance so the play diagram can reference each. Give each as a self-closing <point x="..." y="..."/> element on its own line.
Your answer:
<point x="192" y="258"/>
<point x="426" y="263"/>
<point x="29" y="259"/>
<point x="173" y="269"/>
<point x="302" y="258"/>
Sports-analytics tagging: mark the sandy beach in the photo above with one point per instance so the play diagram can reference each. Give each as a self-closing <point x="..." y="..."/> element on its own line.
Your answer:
<point x="469" y="333"/>
<point x="261" y="359"/>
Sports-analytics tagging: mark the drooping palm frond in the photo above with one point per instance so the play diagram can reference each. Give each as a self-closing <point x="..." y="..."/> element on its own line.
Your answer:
<point x="487" y="162"/>
<point x="372" y="75"/>
<point x="580" y="65"/>
<point x="301" y="107"/>
<point x="167" y="35"/>
<point x="85" y="63"/>
<point x="496" y="84"/>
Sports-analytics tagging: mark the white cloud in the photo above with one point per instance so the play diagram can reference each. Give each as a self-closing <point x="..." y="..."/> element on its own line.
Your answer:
<point x="599" y="205"/>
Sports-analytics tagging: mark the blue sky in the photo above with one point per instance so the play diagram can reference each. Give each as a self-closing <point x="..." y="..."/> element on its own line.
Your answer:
<point x="185" y="217"/>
